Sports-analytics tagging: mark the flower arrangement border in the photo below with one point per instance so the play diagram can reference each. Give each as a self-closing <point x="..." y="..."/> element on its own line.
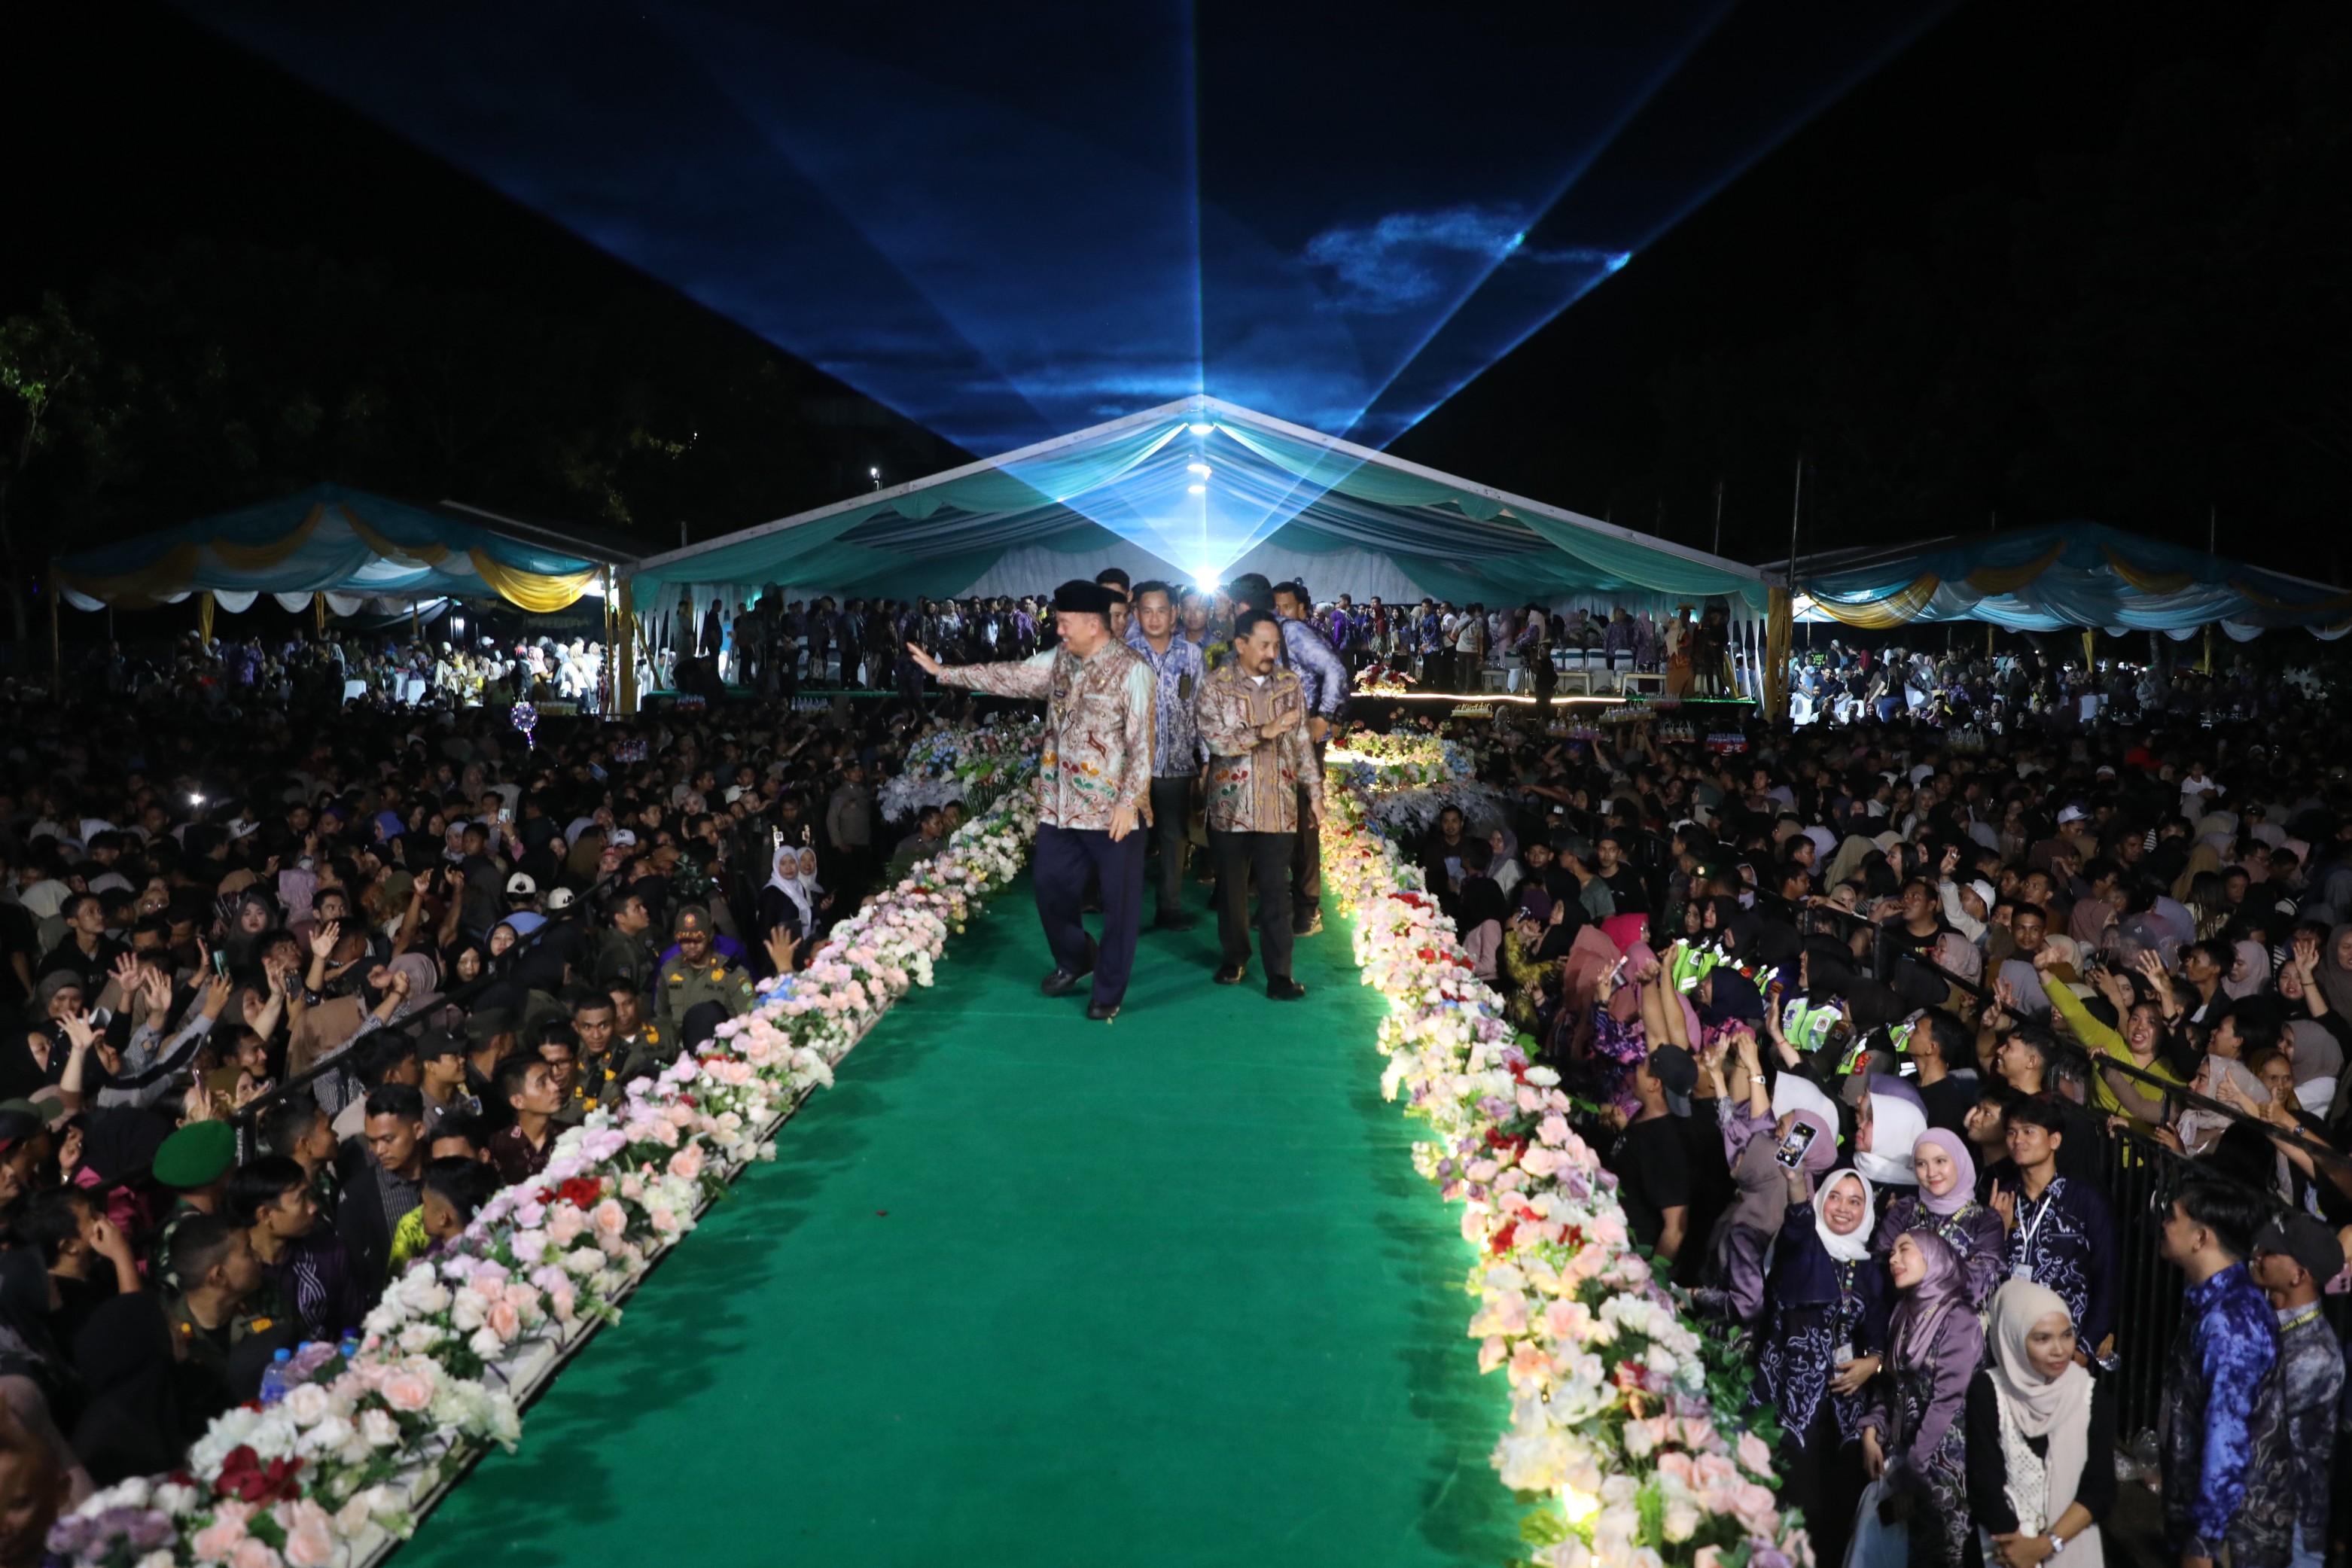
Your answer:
<point x="340" y="1472"/>
<point x="1632" y="1433"/>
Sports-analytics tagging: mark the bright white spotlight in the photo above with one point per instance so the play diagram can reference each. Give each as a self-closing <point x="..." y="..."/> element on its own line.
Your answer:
<point x="1199" y="468"/>
<point x="1199" y="429"/>
<point x="1207" y="580"/>
<point x="1196" y="489"/>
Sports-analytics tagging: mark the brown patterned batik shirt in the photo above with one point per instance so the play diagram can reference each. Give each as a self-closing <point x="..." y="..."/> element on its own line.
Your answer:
<point x="1098" y="749"/>
<point x="1253" y="782"/>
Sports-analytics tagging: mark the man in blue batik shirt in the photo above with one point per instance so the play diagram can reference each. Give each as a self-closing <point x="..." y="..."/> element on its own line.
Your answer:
<point x="2062" y="1234"/>
<point x="2228" y="1477"/>
<point x="1178" y="669"/>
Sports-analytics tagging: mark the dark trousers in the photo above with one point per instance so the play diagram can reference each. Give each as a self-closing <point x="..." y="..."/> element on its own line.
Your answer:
<point x="1172" y="812"/>
<point x="1064" y="859"/>
<point x="1266" y="857"/>
<point x="1306" y="858"/>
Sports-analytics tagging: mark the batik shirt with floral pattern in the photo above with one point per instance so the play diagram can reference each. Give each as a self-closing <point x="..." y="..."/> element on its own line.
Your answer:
<point x="1254" y="783"/>
<point x="1178" y="674"/>
<point x="1097" y="751"/>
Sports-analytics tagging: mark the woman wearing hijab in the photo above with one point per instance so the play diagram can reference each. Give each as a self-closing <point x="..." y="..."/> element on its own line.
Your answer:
<point x="1731" y="1280"/>
<point x="1482" y="909"/>
<point x="1822" y="1337"/>
<point x="2039" y="1430"/>
<point x="1944" y="1202"/>
<point x="1505" y="870"/>
<point x="2249" y="974"/>
<point x="1915" y="1436"/>
<point x="792" y="899"/>
<point x="1891" y="1119"/>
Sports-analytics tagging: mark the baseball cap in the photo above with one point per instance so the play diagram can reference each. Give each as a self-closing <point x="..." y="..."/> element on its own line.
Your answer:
<point x="521" y="886"/>
<point x="2307" y="1240"/>
<point x="1677" y="1074"/>
<point x="2071" y="814"/>
<point x="622" y="839"/>
<point x="559" y="900"/>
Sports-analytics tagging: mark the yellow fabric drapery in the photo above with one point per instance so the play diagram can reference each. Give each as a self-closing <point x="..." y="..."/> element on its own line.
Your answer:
<point x="2339" y="601"/>
<point x="2009" y="579"/>
<point x="166" y="578"/>
<point x="529" y="590"/>
<point x="205" y="605"/>
<point x="391" y="549"/>
<point x="1897" y="609"/>
<point x="2144" y="581"/>
<point x="1779" y="627"/>
<point x="262" y="556"/>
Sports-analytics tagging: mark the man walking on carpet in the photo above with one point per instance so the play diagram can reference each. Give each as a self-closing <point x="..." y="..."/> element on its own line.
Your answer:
<point x="1265" y="784"/>
<point x="1093" y="785"/>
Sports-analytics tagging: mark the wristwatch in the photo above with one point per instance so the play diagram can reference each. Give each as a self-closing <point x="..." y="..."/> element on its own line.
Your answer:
<point x="2057" y="1544"/>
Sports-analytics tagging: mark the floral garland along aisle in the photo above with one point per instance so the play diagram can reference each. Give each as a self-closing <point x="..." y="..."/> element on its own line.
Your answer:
<point x="1632" y="1430"/>
<point x="338" y="1471"/>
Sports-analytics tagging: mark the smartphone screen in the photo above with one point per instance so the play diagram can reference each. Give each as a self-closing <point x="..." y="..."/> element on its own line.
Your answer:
<point x="1792" y="1153"/>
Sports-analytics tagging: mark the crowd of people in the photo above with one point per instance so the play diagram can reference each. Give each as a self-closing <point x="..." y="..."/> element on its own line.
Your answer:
<point x="1868" y="1020"/>
<point x="1841" y="684"/>
<point x="1875" y="1024"/>
<point x="291" y="995"/>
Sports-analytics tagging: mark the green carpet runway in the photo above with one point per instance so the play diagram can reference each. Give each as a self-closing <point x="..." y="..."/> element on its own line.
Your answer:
<point x="1025" y="1289"/>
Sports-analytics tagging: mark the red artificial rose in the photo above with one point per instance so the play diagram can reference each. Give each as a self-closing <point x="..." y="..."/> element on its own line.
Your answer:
<point x="1500" y="1242"/>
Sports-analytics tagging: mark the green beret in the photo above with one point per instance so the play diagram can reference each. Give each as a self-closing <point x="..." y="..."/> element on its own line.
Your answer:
<point x="197" y="1154"/>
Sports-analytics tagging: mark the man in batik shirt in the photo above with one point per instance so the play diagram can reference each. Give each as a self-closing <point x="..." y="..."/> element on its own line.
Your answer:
<point x="2229" y="1478"/>
<point x="1262" y="779"/>
<point x="1178" y="670"/>
<point x="1094" y="785"/>
<point x="2295" y="1257"/>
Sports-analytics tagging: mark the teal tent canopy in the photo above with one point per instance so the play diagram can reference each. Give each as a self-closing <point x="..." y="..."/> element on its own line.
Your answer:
<point x="345" y="543"/>
<point x="1198" y="490"/>
<point x="2066" y="575"/>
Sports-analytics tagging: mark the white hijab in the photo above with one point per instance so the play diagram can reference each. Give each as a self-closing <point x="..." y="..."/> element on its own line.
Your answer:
<point x="2056" y="1410"/>
<point x="1856" y="1247"/>
<point x="1895" y="1124"/>
<point x="800" y="890"/>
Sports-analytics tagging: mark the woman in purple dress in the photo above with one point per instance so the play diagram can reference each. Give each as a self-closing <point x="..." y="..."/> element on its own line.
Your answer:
<point x="1915" y="1436"/>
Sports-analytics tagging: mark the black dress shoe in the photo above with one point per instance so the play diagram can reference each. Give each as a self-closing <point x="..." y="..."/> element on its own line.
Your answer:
<point x="1102" y="1012"/>
<point x="1311" y="926"/>
<point x="1230" y="975"/>
<point x="1178" y="921"/>
<point x="1282" y="988"/>
<point x="1061" y="982"/>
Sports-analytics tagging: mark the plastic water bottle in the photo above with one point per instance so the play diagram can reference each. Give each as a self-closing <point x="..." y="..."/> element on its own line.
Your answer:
<point x="274" y="1378"/>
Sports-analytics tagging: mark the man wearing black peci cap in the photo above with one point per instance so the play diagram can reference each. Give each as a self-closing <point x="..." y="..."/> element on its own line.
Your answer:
<point x="2295" y="1255"/>
<point x="1093" y="785"/>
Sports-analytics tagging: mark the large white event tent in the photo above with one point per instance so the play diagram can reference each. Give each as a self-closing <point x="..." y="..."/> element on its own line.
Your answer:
<point x="1201" y="490"/>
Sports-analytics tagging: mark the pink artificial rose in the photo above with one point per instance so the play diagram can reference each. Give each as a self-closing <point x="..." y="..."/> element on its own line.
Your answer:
<point x="1708" y="1557"/>
<point x="310" y="1543"/>
<point x="1754" y="1506"/>
<point x="1698" y="1433"/>
<point x="253" y="1554"/>
<point x="564" y="1224"/>
<point x="1528" y="1362"/>
<point x="609" y="1217"/>
<point x="504" y="1321"/>
<point x="406" y="1389"/>
<point x="1714" y="1471"/>
<point x="665" y="1223"/>
<point x="686" y="1163"/>
<point x="218" y="1538"/>
<point x="1677" y="1465"/>
<point x="1755" y="1456"/>
<point x="1491" y="1352"/>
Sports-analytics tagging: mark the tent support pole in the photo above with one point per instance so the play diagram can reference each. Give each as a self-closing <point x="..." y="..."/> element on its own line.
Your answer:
<point x="625" y="626"/>
<point x="1779" y="606"/>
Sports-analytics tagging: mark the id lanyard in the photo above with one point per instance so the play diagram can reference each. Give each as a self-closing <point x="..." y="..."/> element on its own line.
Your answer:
<point x="2022" y="1269"/>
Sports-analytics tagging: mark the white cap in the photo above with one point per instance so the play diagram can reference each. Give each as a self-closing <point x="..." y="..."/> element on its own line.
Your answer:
<point x="521" y="886"/>
<point x="2071" y="814"/>
<point x="622" y="839"/>
<point x="559" y="899"/>
<point x="1983" y="890"/>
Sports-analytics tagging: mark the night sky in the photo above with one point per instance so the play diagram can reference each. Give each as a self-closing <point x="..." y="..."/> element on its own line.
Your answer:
<point x="141" y="125"/>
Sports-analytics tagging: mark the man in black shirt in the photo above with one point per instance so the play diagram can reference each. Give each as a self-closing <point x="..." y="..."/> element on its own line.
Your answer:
<point x="1945" y="1058"/>
<point x="1608" y="863"/>
<point x="86" y="951"/>
<point x="1651" y="1157"/>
